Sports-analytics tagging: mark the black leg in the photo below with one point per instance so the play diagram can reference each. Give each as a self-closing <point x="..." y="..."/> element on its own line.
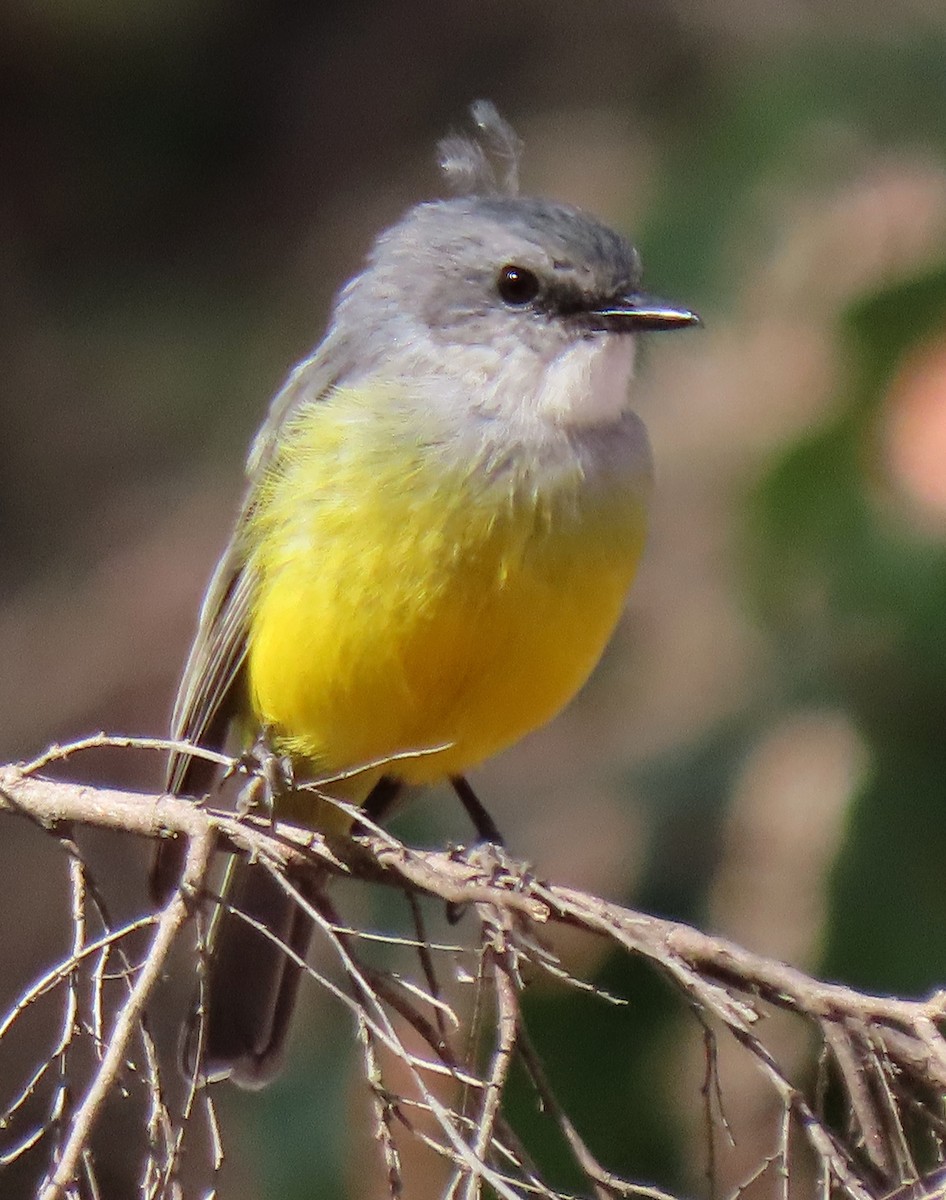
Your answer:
<point x="483" y="823"/>
<point x="382" y="798"/>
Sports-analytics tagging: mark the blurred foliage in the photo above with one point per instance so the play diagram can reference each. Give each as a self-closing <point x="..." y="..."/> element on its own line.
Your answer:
<point x="748" y="129"/>
<point x="301" y="1143"/>
<point x="857" y="598"/>
<point x="605" y="1067"/>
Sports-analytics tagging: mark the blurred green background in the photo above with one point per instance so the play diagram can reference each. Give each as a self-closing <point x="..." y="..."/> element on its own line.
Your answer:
<point x="184" y="187"/>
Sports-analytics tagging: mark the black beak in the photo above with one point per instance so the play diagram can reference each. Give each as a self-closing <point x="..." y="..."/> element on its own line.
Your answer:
<point x="640" y="313"/>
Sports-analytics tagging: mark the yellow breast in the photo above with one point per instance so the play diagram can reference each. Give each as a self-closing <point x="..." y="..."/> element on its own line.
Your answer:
<point x="409" y="599"/>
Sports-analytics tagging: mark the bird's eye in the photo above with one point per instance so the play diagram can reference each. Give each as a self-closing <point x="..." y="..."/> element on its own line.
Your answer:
<point x="517" y="285"/>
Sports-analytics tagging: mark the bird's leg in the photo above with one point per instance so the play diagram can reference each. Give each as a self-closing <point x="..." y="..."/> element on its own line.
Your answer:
<point x="483" y="823"/>
<point x="270" y="776"/>
<point x="382" y="799"/>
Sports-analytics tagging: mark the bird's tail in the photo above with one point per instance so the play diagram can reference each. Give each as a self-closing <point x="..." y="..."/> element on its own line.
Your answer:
<point x="255" y="963"/>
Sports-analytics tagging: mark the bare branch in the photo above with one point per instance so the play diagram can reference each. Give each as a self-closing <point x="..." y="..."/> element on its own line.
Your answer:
<point x="887" y="1054"/>
<point x="169" y="924"/>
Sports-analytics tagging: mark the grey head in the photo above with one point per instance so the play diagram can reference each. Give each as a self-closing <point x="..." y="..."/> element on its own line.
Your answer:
<point x="488" y="300"/>
<point x="493" y="286"/>
<point x="480" y="270"/>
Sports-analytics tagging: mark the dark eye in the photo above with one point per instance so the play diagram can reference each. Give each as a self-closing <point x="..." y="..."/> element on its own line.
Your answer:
<point x="517" y="285"/>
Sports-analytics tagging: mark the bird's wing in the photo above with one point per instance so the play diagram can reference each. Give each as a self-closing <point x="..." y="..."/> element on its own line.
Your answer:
<point x="209" y="695"/>
<point x="207" y="700"/>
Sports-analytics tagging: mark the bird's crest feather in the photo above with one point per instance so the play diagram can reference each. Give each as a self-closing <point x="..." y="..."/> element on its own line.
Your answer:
<point x="485" y="163"/>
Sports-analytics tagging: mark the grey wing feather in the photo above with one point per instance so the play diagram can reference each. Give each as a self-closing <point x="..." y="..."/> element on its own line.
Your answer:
<point x="209" y="693"/>
<point x="206" y="700"/>
<point x="209" y="696"/>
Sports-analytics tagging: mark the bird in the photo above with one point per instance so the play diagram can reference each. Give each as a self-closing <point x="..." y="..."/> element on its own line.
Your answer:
<point x="444" y="510"/>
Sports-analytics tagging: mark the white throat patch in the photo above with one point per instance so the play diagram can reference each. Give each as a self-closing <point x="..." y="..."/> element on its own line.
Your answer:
<point x="588" y="383"/>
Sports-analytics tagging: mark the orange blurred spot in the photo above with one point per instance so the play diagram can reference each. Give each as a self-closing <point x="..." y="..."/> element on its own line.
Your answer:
<point x="914" y="433"/>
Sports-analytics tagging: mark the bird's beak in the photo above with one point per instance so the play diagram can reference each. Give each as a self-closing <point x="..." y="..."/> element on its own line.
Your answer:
<point x="640" y="313"/>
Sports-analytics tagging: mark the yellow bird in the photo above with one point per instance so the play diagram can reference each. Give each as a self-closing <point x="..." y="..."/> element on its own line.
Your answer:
<point x="446" y="507"/>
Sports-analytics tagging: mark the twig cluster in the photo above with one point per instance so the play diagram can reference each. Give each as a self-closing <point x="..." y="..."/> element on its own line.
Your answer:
<point x="437" y="1068"/>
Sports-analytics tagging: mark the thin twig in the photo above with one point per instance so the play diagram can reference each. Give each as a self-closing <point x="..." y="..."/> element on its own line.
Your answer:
<point x="169" y="924"/>
<point x="889" y="1053"/>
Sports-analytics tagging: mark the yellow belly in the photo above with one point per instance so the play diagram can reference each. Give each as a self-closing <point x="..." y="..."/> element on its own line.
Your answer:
<point x="408" y="602"/>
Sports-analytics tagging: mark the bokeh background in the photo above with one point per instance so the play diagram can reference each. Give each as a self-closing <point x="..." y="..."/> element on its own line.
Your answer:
<point x="183" y="188"/>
